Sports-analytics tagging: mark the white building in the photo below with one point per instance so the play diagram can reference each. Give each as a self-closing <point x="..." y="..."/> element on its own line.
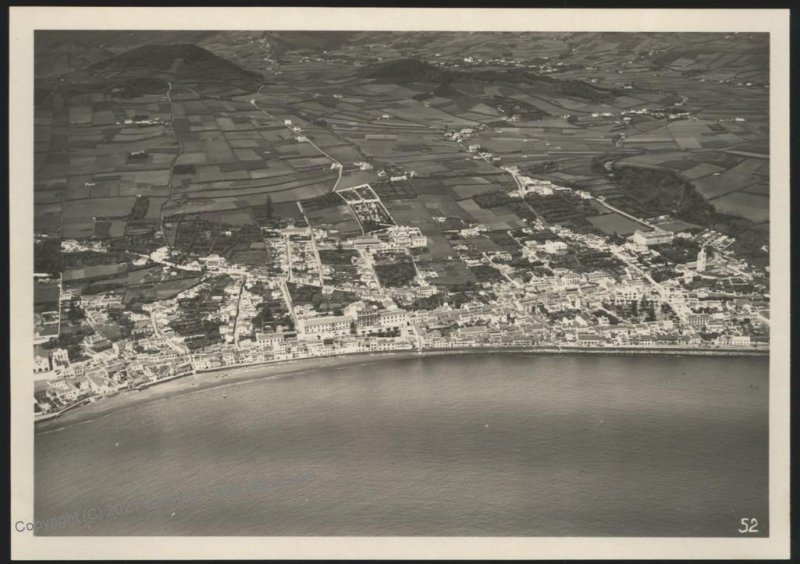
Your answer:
<point x="735" y="340"/>
<point x="59" y="358"/>
<point x="701" y="260"/>
<point x="99" y="382"/>
<point x="404" y="237"/>
<point x="41" y="364"/>
<point x="213" y="262"/>
<point x="626" y="294"/>
<point x="369" y="320"/>
<point x="64" y="390"/>
<point x="553" y="246"/>
<point x="654" y="237"/>
<point x="325" y="326"/>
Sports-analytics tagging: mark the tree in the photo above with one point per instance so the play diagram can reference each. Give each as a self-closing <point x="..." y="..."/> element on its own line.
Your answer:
<point x="269" y="209"/>
<point x="617" y="239"/>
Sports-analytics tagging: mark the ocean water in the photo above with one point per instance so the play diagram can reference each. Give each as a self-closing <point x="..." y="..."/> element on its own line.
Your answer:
<point x="479" y="445"/>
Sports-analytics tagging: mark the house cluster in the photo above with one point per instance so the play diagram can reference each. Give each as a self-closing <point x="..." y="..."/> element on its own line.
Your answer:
<point x="541" y="295"/>
<point x="141" y="120"/>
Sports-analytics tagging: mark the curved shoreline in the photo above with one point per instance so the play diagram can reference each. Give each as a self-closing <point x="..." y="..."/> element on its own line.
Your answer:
<point x="224" y="376"/>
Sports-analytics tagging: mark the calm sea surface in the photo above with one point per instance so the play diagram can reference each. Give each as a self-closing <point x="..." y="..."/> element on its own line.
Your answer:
<point x="498" y="444"/>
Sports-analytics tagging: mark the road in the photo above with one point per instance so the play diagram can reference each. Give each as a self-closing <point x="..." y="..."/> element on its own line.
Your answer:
<point x="317" y="260"/>
<point x="624" y="213"/>
<point x="288" y="256"/>
<point x="369" y="263"/>
<point x="173" y="345"/>
<point x="513" y="282"/>
<point x="337" y="164"/>
<point x="238" y="306"/>
<point x="172" y="165"/>
<point x="288" y="299"/>
<point x="520" y="184"/>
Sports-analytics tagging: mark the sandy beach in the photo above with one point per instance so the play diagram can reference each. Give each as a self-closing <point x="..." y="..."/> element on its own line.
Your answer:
<point x="128" y="399"/>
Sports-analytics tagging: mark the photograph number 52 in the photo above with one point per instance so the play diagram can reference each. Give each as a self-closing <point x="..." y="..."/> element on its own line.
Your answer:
<point x="749" y="525"/>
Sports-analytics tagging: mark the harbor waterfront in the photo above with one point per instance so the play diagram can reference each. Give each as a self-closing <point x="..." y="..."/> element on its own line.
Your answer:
<point x="497" y="444"/>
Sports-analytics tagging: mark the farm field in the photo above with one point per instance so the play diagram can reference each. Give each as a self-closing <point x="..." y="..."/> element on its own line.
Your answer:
<point x="214" y="130"/>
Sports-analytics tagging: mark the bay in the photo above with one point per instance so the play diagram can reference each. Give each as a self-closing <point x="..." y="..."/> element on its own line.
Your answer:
<point x="480" y="445"/>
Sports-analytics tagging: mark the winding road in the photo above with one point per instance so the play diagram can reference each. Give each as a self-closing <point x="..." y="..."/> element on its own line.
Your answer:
<point x="338" y="165"/>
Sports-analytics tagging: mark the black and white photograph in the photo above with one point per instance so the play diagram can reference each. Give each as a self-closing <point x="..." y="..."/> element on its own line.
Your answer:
<point x="376" y="281"/>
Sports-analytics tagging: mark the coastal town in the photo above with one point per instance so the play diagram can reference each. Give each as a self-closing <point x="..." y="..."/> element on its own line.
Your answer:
<point x="199" y="213"/>
<point x="670" y="286"/>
